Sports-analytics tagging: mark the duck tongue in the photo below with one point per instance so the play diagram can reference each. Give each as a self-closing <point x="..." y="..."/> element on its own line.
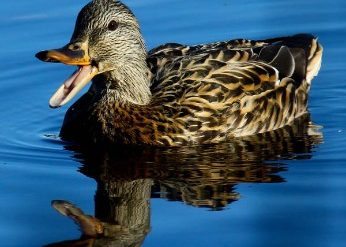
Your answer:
<point x="72" y="85"/>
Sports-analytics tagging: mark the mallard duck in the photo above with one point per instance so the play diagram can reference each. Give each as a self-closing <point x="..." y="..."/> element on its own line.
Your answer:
<point x="177" y="94"/>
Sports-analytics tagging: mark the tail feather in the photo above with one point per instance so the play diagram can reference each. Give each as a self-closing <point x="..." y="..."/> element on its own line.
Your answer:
<point x="306" y="53"/>
<point x="309" y="61"/>
<point x="314" y="60"/>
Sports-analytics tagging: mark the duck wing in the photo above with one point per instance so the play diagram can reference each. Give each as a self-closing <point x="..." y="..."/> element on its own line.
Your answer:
<point x="303" y="47"/>
<point x="239" y="87"/>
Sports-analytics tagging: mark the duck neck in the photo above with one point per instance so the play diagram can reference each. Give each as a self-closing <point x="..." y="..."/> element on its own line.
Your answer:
<point x="129" y="83"/>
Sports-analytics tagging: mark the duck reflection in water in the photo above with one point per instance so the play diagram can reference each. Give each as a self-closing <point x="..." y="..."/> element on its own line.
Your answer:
<point x="202" y="176"/>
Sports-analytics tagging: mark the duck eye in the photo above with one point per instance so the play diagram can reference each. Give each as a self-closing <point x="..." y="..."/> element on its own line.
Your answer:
<point x="112" y="25"/>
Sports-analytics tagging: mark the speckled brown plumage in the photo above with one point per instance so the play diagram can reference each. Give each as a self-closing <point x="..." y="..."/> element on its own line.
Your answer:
<point x="198" y="94"/>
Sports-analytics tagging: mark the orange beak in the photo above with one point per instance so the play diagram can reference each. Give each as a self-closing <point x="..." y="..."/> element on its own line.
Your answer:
<point x="71" y="54"/>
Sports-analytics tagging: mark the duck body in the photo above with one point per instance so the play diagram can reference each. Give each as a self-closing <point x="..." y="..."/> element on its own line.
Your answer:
<point x="177" y="94"/>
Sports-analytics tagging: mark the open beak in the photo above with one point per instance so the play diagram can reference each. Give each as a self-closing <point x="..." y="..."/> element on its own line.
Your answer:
<point x="71" y="55"/>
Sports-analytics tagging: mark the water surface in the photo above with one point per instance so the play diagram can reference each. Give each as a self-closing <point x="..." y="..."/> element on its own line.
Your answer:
<point x="286" y="188"/>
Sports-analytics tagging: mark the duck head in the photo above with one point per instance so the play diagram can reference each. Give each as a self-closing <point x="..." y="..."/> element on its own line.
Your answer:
<point x="107" y="46"/>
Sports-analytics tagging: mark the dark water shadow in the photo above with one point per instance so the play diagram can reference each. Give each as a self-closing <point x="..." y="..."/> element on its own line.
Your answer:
<point x="202" y="176"/>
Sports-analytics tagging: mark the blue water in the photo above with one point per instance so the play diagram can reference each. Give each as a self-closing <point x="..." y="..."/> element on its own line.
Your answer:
<point x="288" y="191"/>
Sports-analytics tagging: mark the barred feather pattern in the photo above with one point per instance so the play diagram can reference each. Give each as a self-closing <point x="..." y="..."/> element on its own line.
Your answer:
<point x="208" y="94"/>
<point x="178" y="94"/>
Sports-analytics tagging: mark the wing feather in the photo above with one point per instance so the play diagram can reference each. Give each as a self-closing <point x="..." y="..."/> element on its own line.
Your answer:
<point x="234" y="88"/>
